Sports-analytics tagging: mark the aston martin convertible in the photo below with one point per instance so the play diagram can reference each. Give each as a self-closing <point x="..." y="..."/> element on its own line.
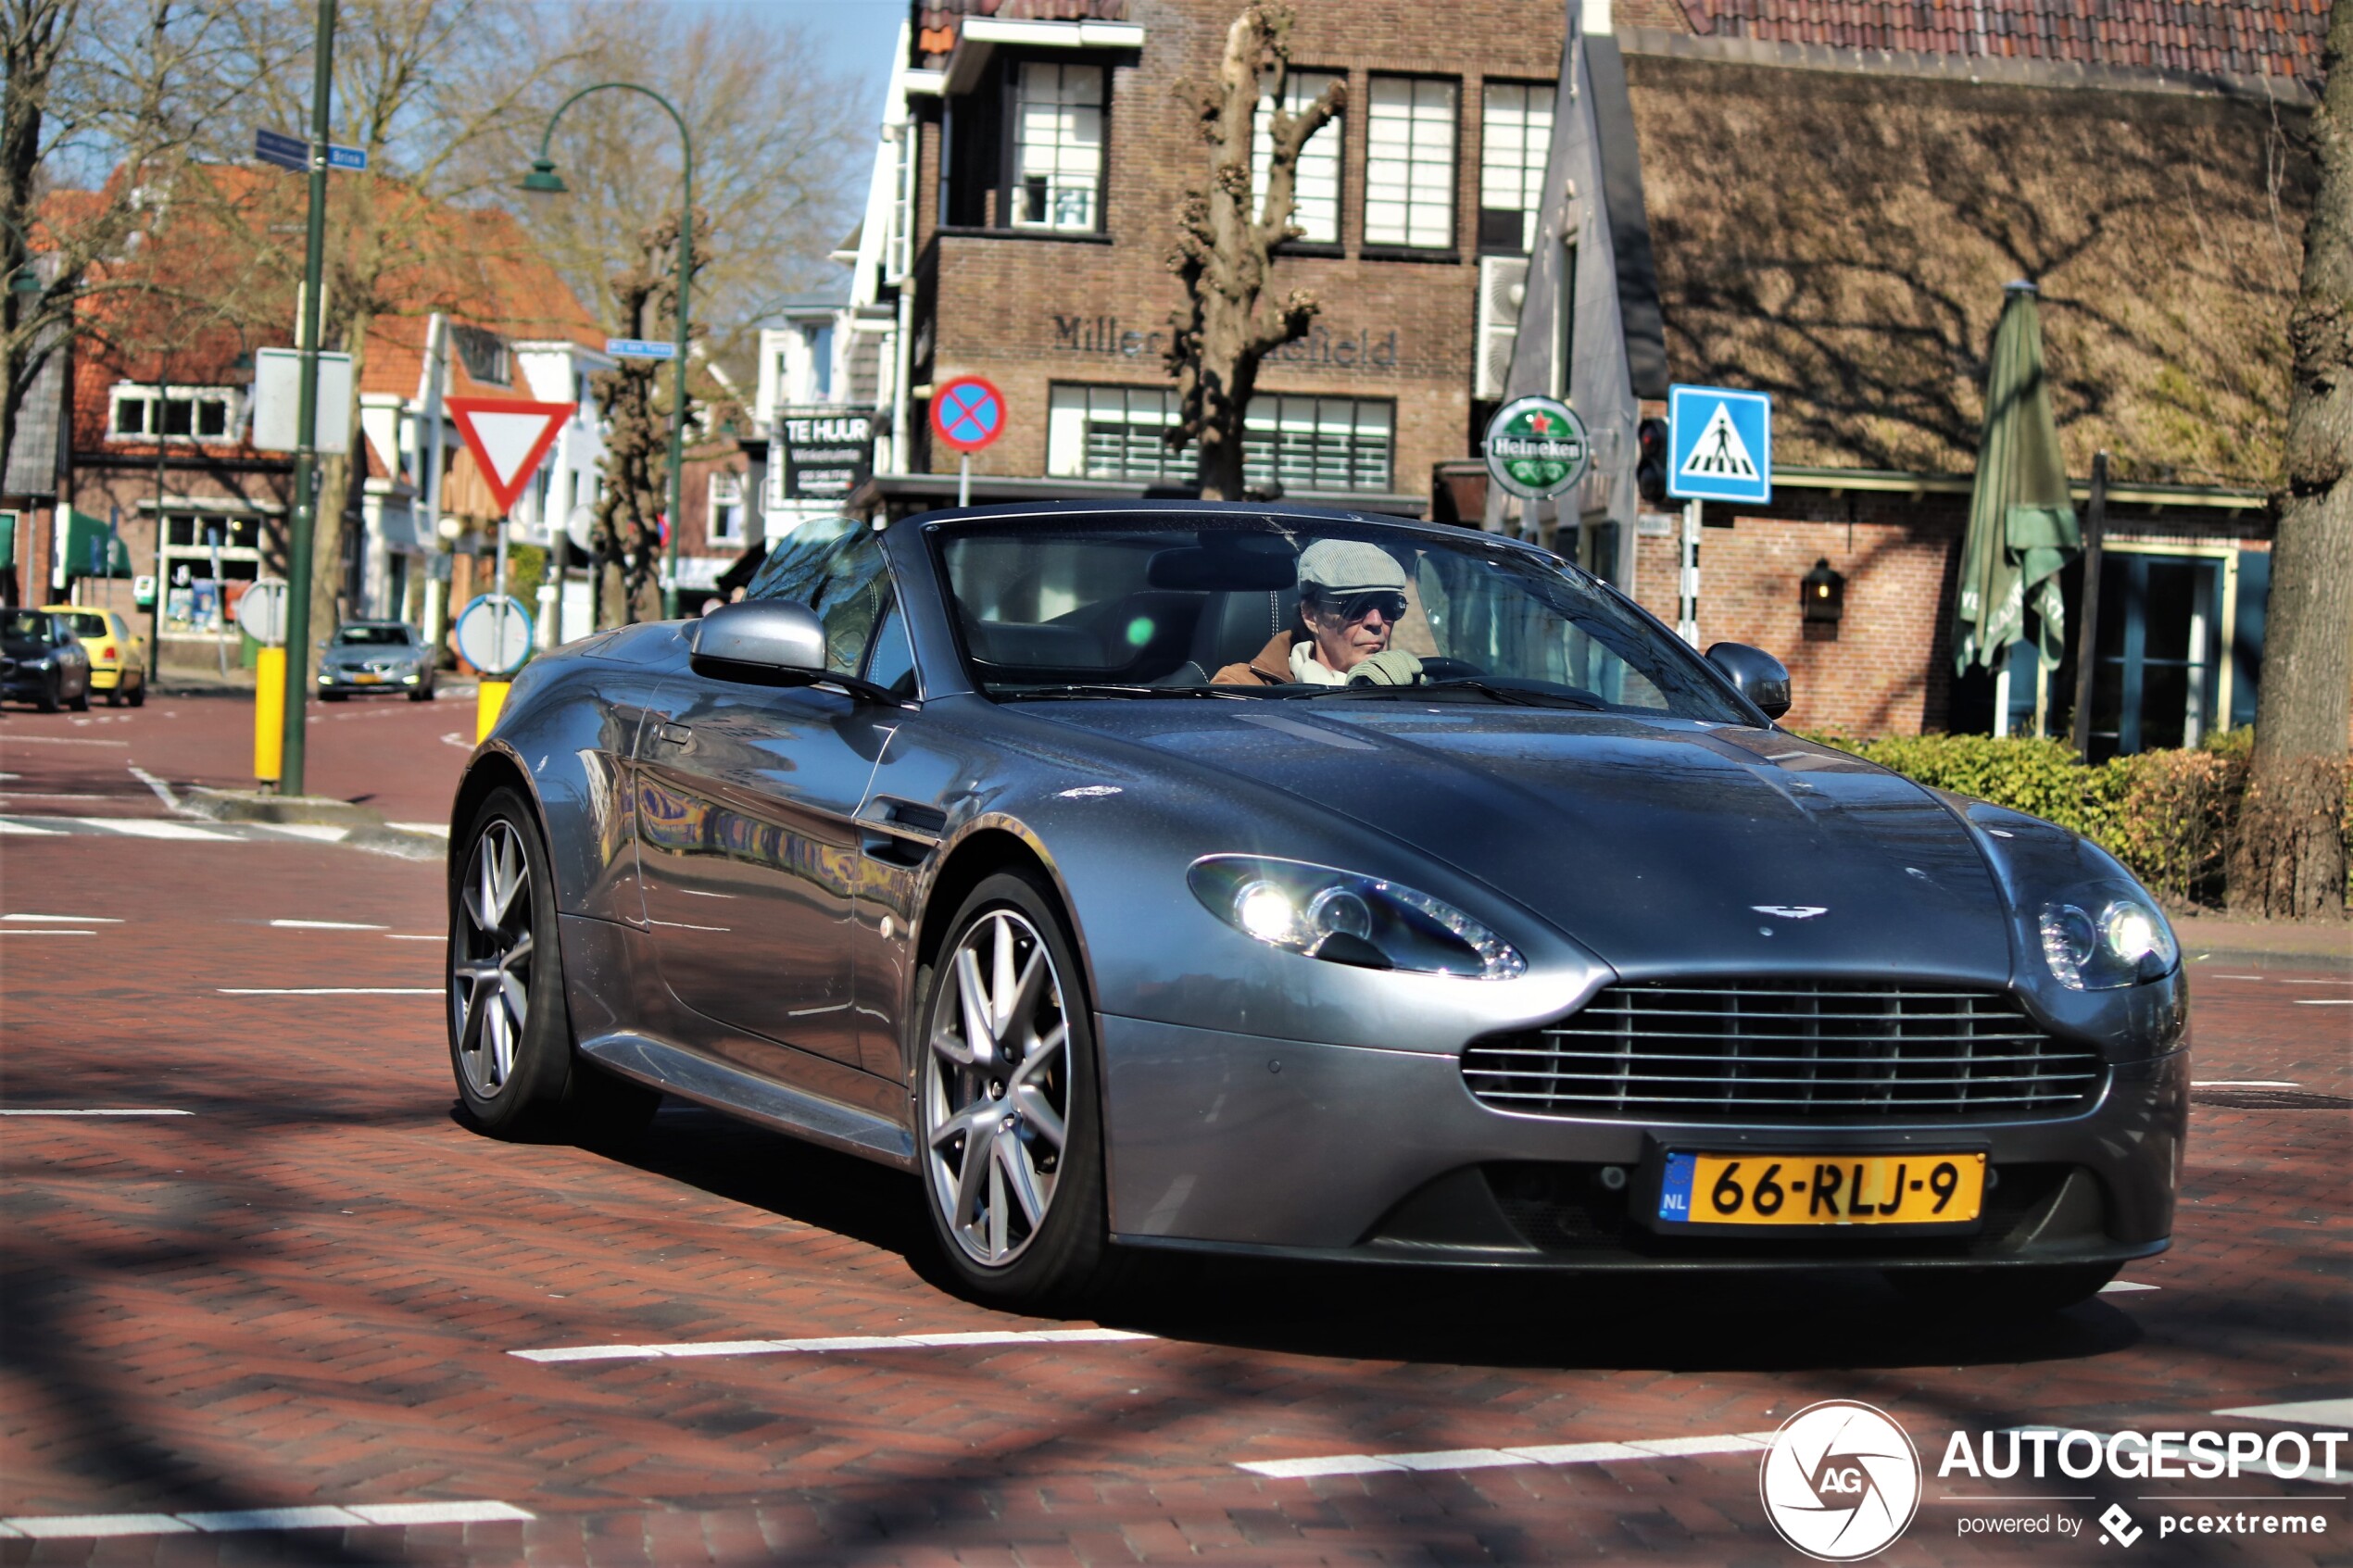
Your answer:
<point x="1265" y="880"/>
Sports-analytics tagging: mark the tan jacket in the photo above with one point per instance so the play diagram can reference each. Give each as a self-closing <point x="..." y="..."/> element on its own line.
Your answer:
<point x="1270" y="667"/>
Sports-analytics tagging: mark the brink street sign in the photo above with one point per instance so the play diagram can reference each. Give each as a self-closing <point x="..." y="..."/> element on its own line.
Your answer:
<point x="1536" y="447"/>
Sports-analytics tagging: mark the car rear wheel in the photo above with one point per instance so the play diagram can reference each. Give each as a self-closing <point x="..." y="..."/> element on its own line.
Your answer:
<point x="1009" y="1134"/>
<point x="2020" y="1290"/>
<point x="114" y="694"/>
<point x="138" y="698"/>
<point x="79" y="701"/>
<point x="509" y="1030"/>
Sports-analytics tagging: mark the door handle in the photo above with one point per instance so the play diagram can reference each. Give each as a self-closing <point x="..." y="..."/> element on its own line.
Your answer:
<point x="676" y="735"/>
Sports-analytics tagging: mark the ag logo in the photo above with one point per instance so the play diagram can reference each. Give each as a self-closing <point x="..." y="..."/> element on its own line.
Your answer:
<point x="1841" y="1481"/>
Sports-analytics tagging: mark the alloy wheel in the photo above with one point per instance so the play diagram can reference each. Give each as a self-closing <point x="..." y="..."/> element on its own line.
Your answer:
<point x="995" y="1089"/>
<point x="490" y="972"/>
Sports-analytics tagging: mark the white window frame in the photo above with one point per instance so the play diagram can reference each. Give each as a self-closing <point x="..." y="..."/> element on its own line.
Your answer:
<point x="144" y="394"/>
<point x="1286" y="436"/>
<point x="726" y="490"/>
<point x="1411" y="136"/>
<point x="1056" y="138"/>
<point x="1318" y="184"/>
<point x="1514" y="141"/>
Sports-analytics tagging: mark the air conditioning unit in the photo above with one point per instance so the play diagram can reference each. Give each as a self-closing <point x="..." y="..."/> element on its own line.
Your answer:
<point x="1502" y="284"/>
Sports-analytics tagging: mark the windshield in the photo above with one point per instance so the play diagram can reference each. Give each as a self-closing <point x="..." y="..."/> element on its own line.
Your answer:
<point x="373" y="636"/>
<point x="86" y="625"/>
<point x="24" y="625"/>
<point x="1153" y="605"/>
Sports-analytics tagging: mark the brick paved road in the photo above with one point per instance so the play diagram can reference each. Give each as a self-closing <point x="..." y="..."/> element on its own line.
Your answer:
<point x="306" y="1293"/>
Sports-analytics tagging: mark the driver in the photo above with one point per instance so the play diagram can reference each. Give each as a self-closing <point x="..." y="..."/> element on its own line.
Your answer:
<point x="1351" y="597"/>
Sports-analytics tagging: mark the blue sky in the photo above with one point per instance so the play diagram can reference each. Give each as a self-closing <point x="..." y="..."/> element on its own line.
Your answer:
<point x="855" y="36"/>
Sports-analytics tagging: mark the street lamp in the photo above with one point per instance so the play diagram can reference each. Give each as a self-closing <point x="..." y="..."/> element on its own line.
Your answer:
<point x="544" y="180"/>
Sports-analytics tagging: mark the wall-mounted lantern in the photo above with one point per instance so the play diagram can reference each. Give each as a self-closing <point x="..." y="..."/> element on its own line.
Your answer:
<point x="1822" y="594"/>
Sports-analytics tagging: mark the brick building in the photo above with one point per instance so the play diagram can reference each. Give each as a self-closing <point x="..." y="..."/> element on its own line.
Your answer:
<point x="1835" y="198"/>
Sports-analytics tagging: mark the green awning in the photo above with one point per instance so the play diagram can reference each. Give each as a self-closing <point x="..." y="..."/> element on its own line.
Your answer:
<point x="92" y="549"/>
<point x="2021" y="523"/>
<point x="7" y="540"/>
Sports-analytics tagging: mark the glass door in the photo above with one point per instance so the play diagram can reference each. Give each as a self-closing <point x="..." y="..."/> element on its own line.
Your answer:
<point x="2160" y="651"/>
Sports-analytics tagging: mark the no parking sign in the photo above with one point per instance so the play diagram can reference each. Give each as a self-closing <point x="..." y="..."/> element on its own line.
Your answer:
<point x="968" y="413"/>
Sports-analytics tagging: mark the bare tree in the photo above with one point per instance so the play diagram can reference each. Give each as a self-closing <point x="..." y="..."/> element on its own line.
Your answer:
<point x="2289" y="858"/>
<point x="1224" y="254"/>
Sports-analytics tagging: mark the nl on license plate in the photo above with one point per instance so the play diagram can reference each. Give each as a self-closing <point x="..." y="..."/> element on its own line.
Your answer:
<point x="1811" y="1189"/>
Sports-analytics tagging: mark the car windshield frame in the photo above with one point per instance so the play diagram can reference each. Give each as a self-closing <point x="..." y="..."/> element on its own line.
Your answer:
<point x="381" y="637"/>
<point x="1684" y="684"/>
<point x="29" y="626"/>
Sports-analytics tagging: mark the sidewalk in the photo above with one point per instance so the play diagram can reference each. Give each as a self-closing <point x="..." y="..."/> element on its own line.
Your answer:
<point x="2266" y="944"/>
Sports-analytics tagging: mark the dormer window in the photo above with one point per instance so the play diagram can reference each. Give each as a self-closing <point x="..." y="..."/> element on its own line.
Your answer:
<point x="485" y="355"/>
<point x="174" y="413"/>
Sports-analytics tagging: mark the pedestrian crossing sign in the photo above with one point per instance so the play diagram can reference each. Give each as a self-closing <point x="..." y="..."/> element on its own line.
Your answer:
<point x="1720" y="445"/>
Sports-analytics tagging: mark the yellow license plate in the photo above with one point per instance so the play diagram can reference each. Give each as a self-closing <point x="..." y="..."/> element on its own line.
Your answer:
<point x="1822" y="1189"/>
<point x="366" y="679"/>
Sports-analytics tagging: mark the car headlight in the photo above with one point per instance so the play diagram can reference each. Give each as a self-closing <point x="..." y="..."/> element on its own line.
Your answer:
<point x="1349" y="918"/>
<point x="2100" y="938"/>
<point x="43" y="662"/>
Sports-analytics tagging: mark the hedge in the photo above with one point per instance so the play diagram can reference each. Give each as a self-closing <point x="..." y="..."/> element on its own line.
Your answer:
<point x="2168" y="815"/>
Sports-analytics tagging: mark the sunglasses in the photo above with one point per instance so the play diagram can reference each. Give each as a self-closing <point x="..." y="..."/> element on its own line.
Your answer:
<point x="1356" y="607"/>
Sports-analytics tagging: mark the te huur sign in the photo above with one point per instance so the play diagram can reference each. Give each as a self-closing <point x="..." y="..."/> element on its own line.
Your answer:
<point x="826" y="455"/>
<point x="1361" y="350"/>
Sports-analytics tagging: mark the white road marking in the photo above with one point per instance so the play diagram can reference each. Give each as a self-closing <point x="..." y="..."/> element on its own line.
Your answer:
<point x="1488" y="1458"/>
<point x="87" y="1526"/>
<point x="457" y="738"/>
<point x="58" y="740"/>
<point x="327" y="925"/>
<point x="69" y="919"/>
<point x="839" y="1342"/>
<point x="135" y="1112"/>
<point x="2243" y="1083"/>
<point x="2307" y="1412"/>
<point x="2115" y="1286"/>
<point x="319" y="831"/>
<point x="148" y="827"/>
<point x="2324" y="1002"/>
<point x="163" y="790"/>
<point x="414" y="936"/>
<point x="329" y="990"/>
<point x="2235" y="977"/>
<point x="47" y="933"/>
<point x="438" y="829"/>
<point x="7" y="826"/>
<point x="53" y="795"/>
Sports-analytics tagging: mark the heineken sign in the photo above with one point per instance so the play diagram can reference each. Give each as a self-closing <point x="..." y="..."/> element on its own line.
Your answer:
<point x="1536" y="447"/>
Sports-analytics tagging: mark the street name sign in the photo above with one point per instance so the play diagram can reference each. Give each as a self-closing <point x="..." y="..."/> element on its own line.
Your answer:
<point x="346" y="157"/>
<point x="494" y="634"/>
<point x="261" y="610"/>
<point x="277" y="400"/>
<point x="293" y="152"/>
<point x="1536" y="447"/>
<point x="1720" y="445"/>
<point x="968" y="413"/>
<point x="640" y="348"/>
<point x="507" y="440"/>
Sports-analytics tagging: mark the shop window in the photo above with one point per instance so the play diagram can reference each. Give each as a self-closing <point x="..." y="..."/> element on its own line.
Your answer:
<point x="485" y="355"/>
<point x="178" y="413"/>
<point x="1409" y="163"/>
<point x="1302" y="443"/>
<point x="1516" y="136"/>
<point x="726" y="509"/>
<point x="1058" y="146"/>
<point x="1315" y="206"/>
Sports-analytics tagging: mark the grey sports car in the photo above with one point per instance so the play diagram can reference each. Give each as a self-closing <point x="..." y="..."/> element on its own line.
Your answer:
<point x="1276" y="881"/>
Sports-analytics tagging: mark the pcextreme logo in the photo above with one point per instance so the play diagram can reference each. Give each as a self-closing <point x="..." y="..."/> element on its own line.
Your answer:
<point x="1841" y="1481"/>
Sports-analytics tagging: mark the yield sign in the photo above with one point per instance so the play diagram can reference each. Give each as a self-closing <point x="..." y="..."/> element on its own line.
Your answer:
<point x="508" y="439"/>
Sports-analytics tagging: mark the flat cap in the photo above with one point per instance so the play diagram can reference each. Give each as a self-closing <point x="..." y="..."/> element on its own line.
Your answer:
<point x="1348" y="566"/>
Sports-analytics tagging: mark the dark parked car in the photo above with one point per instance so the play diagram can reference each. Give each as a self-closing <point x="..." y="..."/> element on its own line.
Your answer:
<point x="1270" y="881"/>
<point x="49" y="668"/>
<point x="376" y="655"/>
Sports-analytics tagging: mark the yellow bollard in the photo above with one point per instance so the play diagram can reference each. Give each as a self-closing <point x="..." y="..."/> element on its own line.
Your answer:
<point x="270" y="715"/>
<point x="493" y="698"/>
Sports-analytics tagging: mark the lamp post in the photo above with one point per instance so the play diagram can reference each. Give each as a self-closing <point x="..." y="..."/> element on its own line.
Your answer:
<point x="543" y="181"/>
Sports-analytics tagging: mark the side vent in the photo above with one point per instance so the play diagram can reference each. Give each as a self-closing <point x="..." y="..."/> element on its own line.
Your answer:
<point x="1502" y="284"/>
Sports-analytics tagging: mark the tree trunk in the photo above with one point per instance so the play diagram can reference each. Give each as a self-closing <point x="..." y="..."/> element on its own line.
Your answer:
<point x="2289" y="859"/>
<point x="34" y="32"/>
<point x="1225" y="248"/>
<point x="339" y="478"/>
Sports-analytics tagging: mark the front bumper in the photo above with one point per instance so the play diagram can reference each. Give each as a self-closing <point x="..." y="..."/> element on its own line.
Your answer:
<point x="1243" y="1144"/>
<point x="349" y="681"/>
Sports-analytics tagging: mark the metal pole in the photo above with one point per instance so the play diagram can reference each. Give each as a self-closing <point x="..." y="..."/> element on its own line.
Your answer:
<point x="964" y="478"/>
<point x="155" y="603"/>
<point x="220" y="603"/>
<point x="678" y="387"/>
<point x="1687" y="622"/>
<point x="322" y="83"/>
<point x="2087" y="635"/>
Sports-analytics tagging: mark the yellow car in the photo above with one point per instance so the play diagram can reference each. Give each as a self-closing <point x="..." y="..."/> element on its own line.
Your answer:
<point x="118" y="655"/>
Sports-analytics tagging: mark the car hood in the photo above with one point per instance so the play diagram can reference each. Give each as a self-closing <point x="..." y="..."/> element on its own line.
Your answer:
<point x="1662" y="845"/>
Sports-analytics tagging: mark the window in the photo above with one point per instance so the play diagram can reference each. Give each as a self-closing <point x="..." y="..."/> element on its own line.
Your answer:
<point x="1316" y="204"/>
<point x="484" y="353"/>
<point x="1409" y="163"/>
<point x="1058" y="146"/>
<point x="180" y="414"/>
<point x="1516" y="136"/>
<point x="1302" y="443"/>
<point x="726" y="509"/>
<point x="836" y="567"/>
<point x="890" y="663"/>
<point x="820" y="361"/>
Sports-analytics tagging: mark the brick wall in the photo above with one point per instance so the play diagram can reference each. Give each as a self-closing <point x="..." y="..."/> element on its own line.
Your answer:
<point x="1027" y="313"/>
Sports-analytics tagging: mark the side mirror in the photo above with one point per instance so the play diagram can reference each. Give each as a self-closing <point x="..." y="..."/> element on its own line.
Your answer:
<point x="1760" y="677"/>
<point x="765" y="642"/>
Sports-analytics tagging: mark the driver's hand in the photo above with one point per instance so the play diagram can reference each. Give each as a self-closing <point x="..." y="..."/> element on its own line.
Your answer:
<point x="1391" y="666"/>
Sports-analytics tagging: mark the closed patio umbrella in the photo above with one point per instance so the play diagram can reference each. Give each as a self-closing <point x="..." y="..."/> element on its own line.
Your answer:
<point x="2021" y="523"/>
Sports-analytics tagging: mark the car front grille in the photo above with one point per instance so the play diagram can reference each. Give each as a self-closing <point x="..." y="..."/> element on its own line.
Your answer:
<point x="1781" y="1049"/>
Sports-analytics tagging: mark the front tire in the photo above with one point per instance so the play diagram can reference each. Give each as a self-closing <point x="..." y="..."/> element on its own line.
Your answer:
<point x="80" y="702"/>
<point x="1009" y="1138"/>
<point x="2024" y="1291"/>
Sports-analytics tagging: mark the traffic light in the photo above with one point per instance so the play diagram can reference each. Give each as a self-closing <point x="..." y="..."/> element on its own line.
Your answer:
<point x="1650" y="464"/>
